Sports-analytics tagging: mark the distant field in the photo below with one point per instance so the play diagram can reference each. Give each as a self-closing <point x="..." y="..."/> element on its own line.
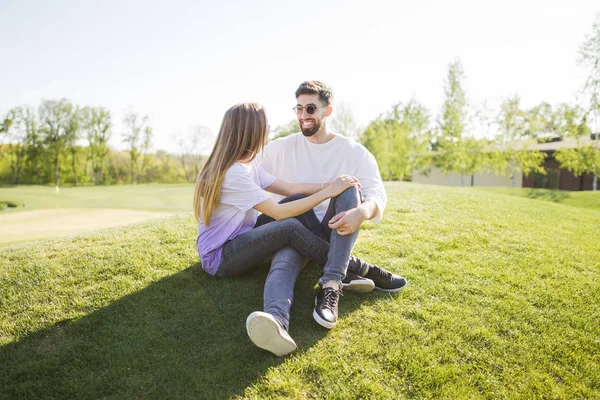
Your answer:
<point x="502" y="303"/>
<point x="585" y="199"/>
<point x="150" y="197"/>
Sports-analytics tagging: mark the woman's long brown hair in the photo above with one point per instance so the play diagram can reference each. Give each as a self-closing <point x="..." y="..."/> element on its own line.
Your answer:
<point x="241" y="137"/>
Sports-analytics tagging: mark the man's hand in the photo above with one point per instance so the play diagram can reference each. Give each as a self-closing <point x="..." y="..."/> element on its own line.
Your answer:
<point x="348" y="222"/>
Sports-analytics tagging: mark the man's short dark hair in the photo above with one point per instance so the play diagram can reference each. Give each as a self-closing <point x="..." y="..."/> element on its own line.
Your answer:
<point x="316" y="87"/>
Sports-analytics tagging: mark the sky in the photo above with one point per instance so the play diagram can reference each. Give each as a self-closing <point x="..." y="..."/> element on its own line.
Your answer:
<point x="184" y="63"/>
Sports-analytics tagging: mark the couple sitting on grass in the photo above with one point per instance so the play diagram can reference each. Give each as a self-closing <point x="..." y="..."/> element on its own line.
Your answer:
<point x="318" y="220"/>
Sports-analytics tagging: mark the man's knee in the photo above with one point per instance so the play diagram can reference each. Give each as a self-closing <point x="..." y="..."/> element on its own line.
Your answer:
<point x="350" y="198"/>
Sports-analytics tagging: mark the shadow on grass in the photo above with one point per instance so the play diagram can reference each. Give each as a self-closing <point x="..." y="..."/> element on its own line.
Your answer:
<point x="181" y="337"/>
<point x="555" y="196"/>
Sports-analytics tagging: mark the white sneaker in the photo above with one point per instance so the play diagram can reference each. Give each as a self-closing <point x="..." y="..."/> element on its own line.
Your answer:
<point x="355" y="283"/>
<point x="266" y="333"/>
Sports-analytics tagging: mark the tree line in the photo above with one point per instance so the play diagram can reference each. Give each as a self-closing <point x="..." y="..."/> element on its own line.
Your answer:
<point x="63" y="143"/>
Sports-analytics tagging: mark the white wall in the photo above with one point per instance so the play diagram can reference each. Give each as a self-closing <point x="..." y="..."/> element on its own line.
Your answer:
<point x="437" y="177"/>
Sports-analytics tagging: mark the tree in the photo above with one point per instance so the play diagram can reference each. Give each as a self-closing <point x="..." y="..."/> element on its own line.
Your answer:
<point x="387" y="140"/>
<point x="541" y="122"/>
<point x="516" y="149"/>
<point x="145" y="145"/>
<point x="55" y="117"/>
<point x="343" y="121"/>
<point x="191" y="148"/>
<point x="456" y="152"/>
<point x="415" y="118"/>
<point x="6" y="122"/>
<point x="97" y="123"/>
<point x="572" y="124"/>
<point x="34" y="144"/>
<point x="72" y="132"/>
<point x="16" y="135"/>
<point x="132" y="138"/>
<point x="285" y="129"/>
<point x="399" y="140"/>
<point x="589" y="57"/>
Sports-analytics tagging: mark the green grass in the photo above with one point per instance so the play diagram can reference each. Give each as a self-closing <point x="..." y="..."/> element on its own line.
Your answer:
<point x="150" y="197"/>
<point x="585" y="199"/>
<point x="502" y="302"/>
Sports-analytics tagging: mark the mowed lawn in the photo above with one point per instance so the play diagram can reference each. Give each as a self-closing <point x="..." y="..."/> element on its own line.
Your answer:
<point x="503" y="302"/>
<point x="42" y="212"/>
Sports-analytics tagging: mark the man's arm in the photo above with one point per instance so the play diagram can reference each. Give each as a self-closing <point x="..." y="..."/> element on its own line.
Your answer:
<point x="375" y="199"/>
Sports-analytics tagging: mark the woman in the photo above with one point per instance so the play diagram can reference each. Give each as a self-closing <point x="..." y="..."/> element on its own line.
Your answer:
<point x="230" y="191"/>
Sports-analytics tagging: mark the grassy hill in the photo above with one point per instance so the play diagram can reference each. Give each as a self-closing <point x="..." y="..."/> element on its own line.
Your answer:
<point x="502" y="302"/>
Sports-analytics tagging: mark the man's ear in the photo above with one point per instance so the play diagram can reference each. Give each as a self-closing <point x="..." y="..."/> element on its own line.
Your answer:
<point x="328" y="111"/>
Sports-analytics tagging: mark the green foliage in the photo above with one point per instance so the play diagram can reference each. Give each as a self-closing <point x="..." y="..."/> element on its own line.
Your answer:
<point x="590" y="58"/>
<point x="285" y="129"/>
<point x="97" y="125"/>
<point x="162" y="168"/>
<point x="455" y="150"/>
<point x="516" y="150"/>
<point x="454" y="112"/>
<point x="581" y="160"/>
<point x="399" y="140"/>
<point x="138" y="137"/>
<point x="192" y="146"/>
<point x="342" y="121"/>
<point x="541" y="121"/>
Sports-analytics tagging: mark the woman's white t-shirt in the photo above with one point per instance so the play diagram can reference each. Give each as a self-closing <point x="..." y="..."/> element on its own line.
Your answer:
<point x="243" y="188"/>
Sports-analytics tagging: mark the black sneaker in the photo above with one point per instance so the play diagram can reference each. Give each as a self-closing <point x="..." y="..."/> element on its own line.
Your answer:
<point x="326" y="307"/>
<point x="356" y="283"/>
<point x="385" y="281"/>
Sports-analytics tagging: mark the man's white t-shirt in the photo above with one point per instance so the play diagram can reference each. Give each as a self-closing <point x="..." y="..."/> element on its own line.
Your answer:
<point x="243" y="188"/>
<point x="296" y="160"/>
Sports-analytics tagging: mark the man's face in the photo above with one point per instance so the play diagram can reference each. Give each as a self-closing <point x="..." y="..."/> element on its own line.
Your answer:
<point x="310" y="123"/>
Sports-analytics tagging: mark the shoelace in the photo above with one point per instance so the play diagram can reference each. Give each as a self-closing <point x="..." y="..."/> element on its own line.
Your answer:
<point x="330" y="298"/>
<point x="386" y="275"/>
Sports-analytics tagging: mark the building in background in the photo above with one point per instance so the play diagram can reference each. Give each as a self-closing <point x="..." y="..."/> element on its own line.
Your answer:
<point x="555" y="177"/>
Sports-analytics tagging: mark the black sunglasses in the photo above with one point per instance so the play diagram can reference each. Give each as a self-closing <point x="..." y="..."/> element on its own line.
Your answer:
<point x="310" y="109"/>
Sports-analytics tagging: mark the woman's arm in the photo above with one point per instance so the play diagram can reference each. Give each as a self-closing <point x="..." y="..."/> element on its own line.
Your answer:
<point x="297" y="207"/>
<point x="284" y="188"/>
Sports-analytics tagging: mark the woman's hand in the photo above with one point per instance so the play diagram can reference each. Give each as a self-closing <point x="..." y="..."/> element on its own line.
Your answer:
<point x="340" y="184"/>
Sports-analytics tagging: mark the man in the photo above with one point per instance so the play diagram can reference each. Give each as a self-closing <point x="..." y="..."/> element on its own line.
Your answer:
<point x="317" y="155"/>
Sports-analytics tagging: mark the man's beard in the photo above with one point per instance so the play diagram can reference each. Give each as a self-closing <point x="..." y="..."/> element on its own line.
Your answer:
<point x="309" y="132"/>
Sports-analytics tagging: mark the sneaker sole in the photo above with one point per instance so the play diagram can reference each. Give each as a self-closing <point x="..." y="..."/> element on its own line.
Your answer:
<point x="359" y="286"/>
<point x="264" y="331"/>
<point x="396" y="290"/>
